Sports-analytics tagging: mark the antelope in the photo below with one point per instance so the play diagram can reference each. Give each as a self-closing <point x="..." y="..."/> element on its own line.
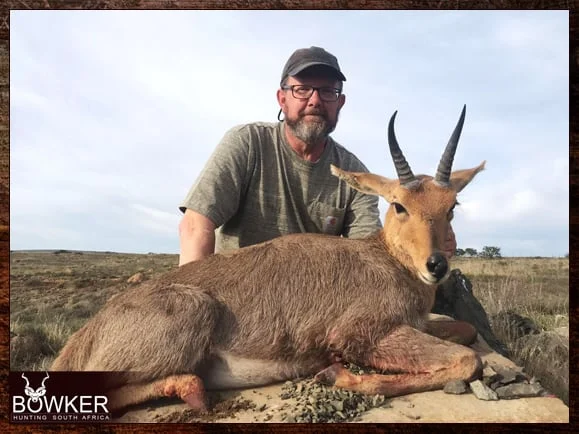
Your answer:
<point x="296" y="306"/>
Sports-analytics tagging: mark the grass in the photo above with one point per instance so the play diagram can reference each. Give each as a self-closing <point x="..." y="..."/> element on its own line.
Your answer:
<point x="53" y="295"/>
<point x="535" y="288"/>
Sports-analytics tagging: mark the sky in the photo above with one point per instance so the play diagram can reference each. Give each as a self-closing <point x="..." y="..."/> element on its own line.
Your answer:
<point x="113" y="114"/>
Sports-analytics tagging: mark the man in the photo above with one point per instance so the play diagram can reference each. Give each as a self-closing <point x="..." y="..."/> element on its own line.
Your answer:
<point x="270" y="179"/>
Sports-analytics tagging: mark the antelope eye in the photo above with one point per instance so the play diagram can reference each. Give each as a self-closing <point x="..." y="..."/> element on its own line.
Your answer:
<point x="399" y="208"/>
<point x="451" y="211"/>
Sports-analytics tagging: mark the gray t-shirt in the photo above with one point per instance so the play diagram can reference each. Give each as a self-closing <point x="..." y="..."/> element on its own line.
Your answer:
<point x="255" y="188"/>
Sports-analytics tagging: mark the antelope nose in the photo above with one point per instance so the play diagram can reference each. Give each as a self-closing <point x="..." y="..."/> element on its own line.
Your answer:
<point x="437" y="265"/>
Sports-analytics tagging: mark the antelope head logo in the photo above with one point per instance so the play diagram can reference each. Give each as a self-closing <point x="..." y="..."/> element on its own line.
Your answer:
<point x="35" y="395"/>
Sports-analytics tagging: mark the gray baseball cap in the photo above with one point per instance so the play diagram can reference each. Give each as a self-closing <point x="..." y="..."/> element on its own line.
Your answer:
<point x="306" y="57"/>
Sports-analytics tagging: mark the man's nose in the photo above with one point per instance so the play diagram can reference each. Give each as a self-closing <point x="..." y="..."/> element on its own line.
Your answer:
<point x="315" y="99"/>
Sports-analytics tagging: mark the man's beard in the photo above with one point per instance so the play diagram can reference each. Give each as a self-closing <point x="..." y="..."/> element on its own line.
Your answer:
<point x="313" y="131"/>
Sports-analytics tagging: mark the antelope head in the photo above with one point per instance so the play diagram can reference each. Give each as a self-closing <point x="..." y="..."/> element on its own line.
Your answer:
<point x="33" y="394"/>
<point x="421" y="207"/>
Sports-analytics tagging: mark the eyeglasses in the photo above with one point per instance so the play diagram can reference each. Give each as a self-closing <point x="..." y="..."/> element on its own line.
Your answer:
<point x="301" y="91"/>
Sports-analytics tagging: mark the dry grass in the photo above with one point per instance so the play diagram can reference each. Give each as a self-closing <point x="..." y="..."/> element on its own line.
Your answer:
<point x="535" y="288"/>
<point x="53" y="295"/>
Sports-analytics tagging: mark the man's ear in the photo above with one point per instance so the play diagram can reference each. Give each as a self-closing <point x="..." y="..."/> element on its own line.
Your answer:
<point x="281" y="97"/>
<point x="341" y="101"/>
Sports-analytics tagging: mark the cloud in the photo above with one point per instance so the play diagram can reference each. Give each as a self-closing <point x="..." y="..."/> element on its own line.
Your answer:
<point x="155" y="220"/>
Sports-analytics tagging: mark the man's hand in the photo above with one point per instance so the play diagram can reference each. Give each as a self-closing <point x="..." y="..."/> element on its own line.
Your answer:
<point x="450" y="244"/>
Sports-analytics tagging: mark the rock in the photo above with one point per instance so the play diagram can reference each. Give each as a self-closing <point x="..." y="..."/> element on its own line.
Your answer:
<point x="520" y="390"/>
<point x="483" y="392"/>
<point x="507" y="375"/>
<point x="455" y="387"/>
<point x="338" y="405"/>
<point x="490" y="377"/>
<point x="489" y="372"/>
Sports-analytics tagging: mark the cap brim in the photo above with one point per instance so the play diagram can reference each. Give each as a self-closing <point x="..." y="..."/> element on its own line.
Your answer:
<point x="305" y="66"/>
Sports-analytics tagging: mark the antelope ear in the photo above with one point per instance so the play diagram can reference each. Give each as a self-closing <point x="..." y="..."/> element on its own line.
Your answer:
<point x="460" y="178"/>
<point x="368" y="183"/>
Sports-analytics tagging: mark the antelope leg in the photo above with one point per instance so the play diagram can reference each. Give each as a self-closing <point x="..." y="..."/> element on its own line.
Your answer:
<point x="459" y="332"/>
<point x="187" y="387"/>
<point x="421" y="362"/>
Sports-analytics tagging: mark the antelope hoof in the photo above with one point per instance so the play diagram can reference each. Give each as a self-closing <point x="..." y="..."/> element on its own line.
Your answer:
<point x="195" y="402"/>
<point x="329" y="375"/>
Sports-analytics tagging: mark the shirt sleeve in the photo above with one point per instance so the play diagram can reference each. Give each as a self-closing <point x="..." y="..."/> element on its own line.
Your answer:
<point x="219" y="189"/>
<point x="362" y="216"/>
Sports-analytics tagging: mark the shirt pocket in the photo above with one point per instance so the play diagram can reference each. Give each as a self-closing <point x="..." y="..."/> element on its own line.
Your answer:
<point x="327" y="219"/>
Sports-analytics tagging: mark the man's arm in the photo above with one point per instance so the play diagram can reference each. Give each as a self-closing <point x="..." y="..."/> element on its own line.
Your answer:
<point x="196" y="237"/>
<point x="216" y="195"/>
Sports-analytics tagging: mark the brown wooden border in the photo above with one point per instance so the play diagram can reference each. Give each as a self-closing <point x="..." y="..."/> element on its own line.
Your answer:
<point x="10" y="5"/>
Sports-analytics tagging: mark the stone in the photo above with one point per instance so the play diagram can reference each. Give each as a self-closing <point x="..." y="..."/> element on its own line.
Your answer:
<point x="507" y="375"/>
<point x="338" y="405"/>
<point x="489" y="372"/>
<point x="520" y="390"/>
<point x="483" y="392"/>
<point x="490" y="377"/>
<point x="455" y="387"/>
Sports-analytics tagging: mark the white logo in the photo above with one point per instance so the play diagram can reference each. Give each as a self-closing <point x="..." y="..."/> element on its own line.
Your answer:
<point x="35" y="395"/>
<point x="330" y="223"/>
<point x="36" y="406"/>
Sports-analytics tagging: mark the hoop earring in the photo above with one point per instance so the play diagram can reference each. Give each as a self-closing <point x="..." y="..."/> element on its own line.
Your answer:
<point x="279" y="114"/>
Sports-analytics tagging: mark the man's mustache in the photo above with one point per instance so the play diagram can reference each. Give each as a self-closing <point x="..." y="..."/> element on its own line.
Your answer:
<point x="315" y="113"/>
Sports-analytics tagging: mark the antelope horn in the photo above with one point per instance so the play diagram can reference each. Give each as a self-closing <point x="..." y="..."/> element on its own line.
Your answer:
<point x="27" y="383"/>
<point x="405" y="175"/>
<point x="45" y="378"/>
<point x="442" y="176"/>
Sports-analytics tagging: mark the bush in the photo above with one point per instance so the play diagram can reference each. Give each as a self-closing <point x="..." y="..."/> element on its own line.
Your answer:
<point x="490" y="252"/>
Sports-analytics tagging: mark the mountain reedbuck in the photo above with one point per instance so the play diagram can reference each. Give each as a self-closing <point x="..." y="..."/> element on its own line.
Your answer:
<point x="296" y="306"/>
